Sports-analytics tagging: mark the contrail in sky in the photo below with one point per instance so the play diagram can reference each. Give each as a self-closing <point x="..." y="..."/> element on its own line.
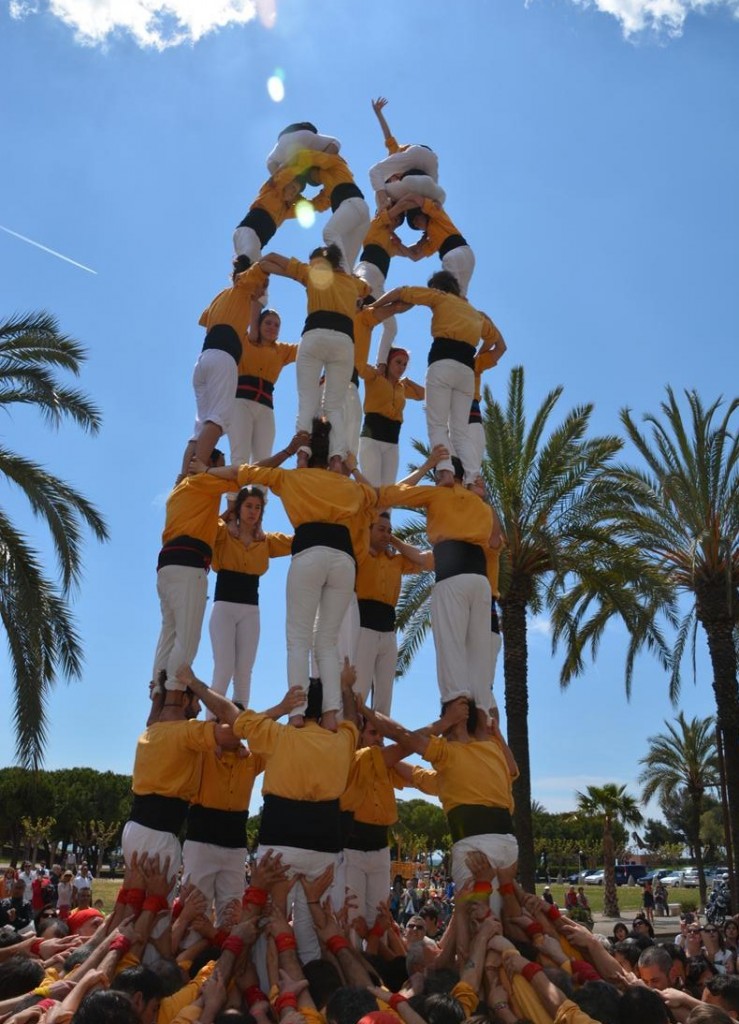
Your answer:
<point x="45" y="248"/>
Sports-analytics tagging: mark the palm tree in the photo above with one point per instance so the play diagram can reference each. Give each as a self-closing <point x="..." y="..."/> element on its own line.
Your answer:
<point x="608" y="804"/>
<point x="34" y="608"/>
<point x="683" y="758"/>
<point x="682" y="511"/>
<point x="549" y="493"/>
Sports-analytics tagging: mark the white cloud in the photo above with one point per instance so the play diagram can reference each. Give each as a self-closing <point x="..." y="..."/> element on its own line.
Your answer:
<point x="540" y="624"/>
<point x="661" y="16"/>
<point x="152" y="23"/>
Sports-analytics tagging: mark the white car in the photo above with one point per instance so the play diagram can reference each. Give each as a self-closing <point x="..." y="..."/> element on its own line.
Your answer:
<point x="676" y="878"/>
<point x="595" y="877"/>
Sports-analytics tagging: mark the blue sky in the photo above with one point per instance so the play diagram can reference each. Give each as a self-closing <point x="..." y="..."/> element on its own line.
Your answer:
<point x="589" y="155"/>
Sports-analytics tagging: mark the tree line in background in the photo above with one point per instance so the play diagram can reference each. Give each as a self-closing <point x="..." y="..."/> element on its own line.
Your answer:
<point x="588" y="539"/>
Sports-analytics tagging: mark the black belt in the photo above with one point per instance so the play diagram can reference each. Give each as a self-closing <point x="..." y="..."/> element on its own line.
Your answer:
<point x="237" y="587"/>
<point x="346" y="190"/>
<point x="376" y="615"/>
<point x="416" y="171"/>
<point x="161" y="813"/>
<point x="494" y="624"/>
<point x="185" y="550"/>
<point x="355" y="377"/>
<point x="305" y="824"/>
<point x="322" y="535"/>
<point x="225" y="339"/>
<point x="457" y="558"/>
<point x="261" y="224"/>
<point x="366" y="837"/>
<point x="255" y="389"/>
<point x="451" y="348"/>
<point x="222" y="828"/>
<point x="381" y="428"/>
<point x="326" y="320"/>
<point x="452" y="242"/>
<point x="377" y="256"/>
<point x="475" y="820"/>
<point x="475" y="414"/>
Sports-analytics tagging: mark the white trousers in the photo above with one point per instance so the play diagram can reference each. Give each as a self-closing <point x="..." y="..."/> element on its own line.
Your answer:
<point x="214" y="381"/>
<point x="460" y="621"/>
<point x="347" y="228"/>
<point x="247" y="243"/>
<point x="218" y="871"/>
<point x="320" y="583"/>
<point x="461" y="263"/>
<point x="332" y="351"/>
<point x="496" y="644"/>
<point x="288" y="145"/>
<point x="414" y="158"/>
<point x="476" y="433"/>
<point x="377" y="657"/>
<point x="378" y="461"/>
<point x="501" y="851"/>
<point x="310" y="863"/>
<point x="141" y="839"/>
<point x="418" y="184"/>
<point x="251" y="432"/>
<point x="183" y="591"/>
<point x="352" y="418"/>
<point x="450" y="387"/>
<point x="368" y="877"/>
<point x="349" y="633"/>
<point x="234" y="636"/>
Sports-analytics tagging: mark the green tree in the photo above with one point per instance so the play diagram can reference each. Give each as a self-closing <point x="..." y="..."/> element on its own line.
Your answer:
<point x="549" y="493"/>
<point x="609" y="804"/>
<point x="34" y="608"/>
<point x="683" y="758"/>
<point x="682" y="511"/>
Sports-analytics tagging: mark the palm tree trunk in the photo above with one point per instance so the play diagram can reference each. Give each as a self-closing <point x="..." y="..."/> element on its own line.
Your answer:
<point x="696" y="808"/>
<point x="610" y="897"/>
<point x="720" y="636"/>
<point x="515" y="664"/>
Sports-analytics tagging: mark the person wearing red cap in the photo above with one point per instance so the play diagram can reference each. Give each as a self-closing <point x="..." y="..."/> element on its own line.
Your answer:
<point x="84" y="921"/>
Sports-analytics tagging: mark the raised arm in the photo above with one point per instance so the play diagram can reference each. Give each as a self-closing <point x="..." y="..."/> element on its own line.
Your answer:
<point x="492" y="340"/>
<point x="438" y="453"/>
<point x="423" y="559"/>
<point x="274" y="263"/>
<point x="378" y="106"/>
<point x="409" y="741"/>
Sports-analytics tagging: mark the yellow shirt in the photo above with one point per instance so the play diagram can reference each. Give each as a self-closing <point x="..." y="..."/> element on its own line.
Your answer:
<point x="453" y="513"/>
<point x="440" y="227"/>
<point x="172" y="1006"/>
<point x="229" y="552"/>
<point x="466" y="997"/>
<point x="392" y="145"/>
<point x="232" y="306"/>
<point x="228" y="779"/>
<point x="386" y="397"/>
<point x="169" y="759"/>
<point x="330" y="169"/>
<point x="381" y="232"/>
<point x="301" y="764"/>
<point x="379" y="576"/>
<point x="318" y="496"/>
<point x="452" y="316"/>
<point x="470" y="773"/>
<point x="271" y="199"/>
<point x="483" y="362"/>
<point x="192" y="508"/>
<point x="330" y="291"/>
<point x="370" y="789"/>
<point x="265" y="361"/>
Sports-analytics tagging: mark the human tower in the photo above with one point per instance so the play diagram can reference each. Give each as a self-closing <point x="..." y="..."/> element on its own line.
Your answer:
<point x="346" y="566"/>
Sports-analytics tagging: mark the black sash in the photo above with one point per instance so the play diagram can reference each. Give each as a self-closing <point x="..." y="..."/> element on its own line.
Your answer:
<point x="161" y="813"/>
<point x="261" y="224"/>
<point x="322" y="535"/>
<point x="452" y="242"/>
<point x="237" y="587"/>
<point x="475" y="414"/>
<point x="376" y="615"/>
<point x="222" y="828"/>
<point x="379" y="257"/>
<point x="185" y="550"/>
<point x="457" y="558"/>
<point x="346" y="190"/>
<point x="366" y="837"/>
<point x="475" y="820"/>
<point x="323" y="318"/>
<point x="255" y="389"/>
<point x="451" y="348"/>
<point x="381" y="428"/>
<point x="305" y="824"/>
<point x="224" y="338"/>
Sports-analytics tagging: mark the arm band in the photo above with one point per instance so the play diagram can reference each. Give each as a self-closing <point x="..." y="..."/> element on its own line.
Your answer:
<point x="121" y="943"/>
<point x="285" y="941"/>
<point x="254" y="995"/>
<point x="255" y="895"/>
<point x="155" y="904"/>
<point x="286" y="1001"/>
<point x="35" y="949"/>
<point x="507" y="889"/>
<point x="233" y="944"/>
<point x="534" y="929"/>
<point x="219" y="938"/>
<point x="136" y="899"/>
<point x="336" y="943"/>
<point x="553" y="913"/>
<point x="483" y="888"/>
<point x="395" y="1000"/>
<point x="530" y="970"/>
<point x="377" y="930"/>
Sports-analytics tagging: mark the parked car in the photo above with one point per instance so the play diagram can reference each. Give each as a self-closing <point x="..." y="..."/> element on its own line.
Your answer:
<point x="690" y="878"/>
<point x="623" y="873"/>
<point x="595" y="877"/>
<point x="654" y="876"/>
<point x="674" y="878"/>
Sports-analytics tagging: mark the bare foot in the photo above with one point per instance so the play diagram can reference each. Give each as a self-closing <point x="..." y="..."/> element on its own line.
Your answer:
<point x="296" y="721"/>
<point x="328" y="721"/>
<point x="303" y="458"/>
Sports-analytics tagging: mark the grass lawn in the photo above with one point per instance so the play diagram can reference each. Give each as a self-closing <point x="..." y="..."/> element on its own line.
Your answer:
<point x="106" y="889"/>
<point x="629" y="896"/>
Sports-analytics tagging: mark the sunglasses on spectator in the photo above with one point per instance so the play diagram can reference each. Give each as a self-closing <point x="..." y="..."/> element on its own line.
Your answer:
<point x="47" y="914"/>
<point x="710" y="931"/>
<point x="414" y="926"/>
<point x="694" y="931"/>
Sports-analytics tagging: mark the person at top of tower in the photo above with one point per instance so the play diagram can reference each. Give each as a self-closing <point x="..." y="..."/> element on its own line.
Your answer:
<point x="409" y="168"/>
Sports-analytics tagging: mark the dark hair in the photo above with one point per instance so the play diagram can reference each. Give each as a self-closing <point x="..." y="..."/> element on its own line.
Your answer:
<point x="440" y="979"/>
<point x="9" y="939"/>
<point x="393" y="972"/>
<point x="299" y="126"/>
<point x="394" y="352"/>
<point x="676" y="952"/>
<point x="268" y="312"/>
<point x="330" y="253"/>
<point x="108" y="1006"/>
<point x="19" y="975"/>
<point x="444" y="281"/>
<point x="138" y="979"/>
<point x="629" y="950"/>
<point x="169" y="974"/>
<point x="77" y="956"/>
<point x="599" y="1000"/>
<point x="314" y="706"/>
<point x="561" y="979"/>
<point x="708" y="1013"/>
<point x="348" y="1004"/>
<point x="319" y="437"/>
<point x="725" y="987"/>
<point x="411" y="215"/>
<point x="641" y="1005"/>
<point x="215" y="455"/>
<point x="697" y="966"/>
<point x="248" y="492"/>
<point x="234" y="1016"/>
<point x="471" y="718"/>
<point x="620" y="924"/>
<point x="323" y="978"/>
<point x="656" y="956"/>
<point x="239" y="265"/>
<point x="429" y="910"/>
<point x="442" y="1008"/>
